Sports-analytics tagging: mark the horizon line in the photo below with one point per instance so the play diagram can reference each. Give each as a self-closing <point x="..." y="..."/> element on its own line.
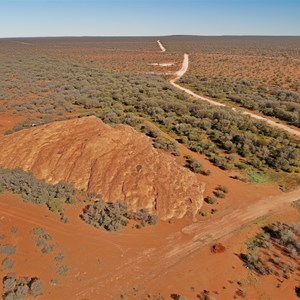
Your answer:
<point x="144" y="36"/>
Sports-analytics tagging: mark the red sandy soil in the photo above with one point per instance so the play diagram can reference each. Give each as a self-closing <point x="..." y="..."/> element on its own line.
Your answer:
<point x="166" y="259"/>
<point x="8" y="121"/>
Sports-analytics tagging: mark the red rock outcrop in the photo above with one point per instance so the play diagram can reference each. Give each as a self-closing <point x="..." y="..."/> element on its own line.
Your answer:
<point x="118" y="163"/>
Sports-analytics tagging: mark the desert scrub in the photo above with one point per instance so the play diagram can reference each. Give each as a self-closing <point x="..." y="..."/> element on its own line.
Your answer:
<point x="223" y="189"/>
<point x="118" y="97"/>
<point x="167" y="145"/>
<point x="15" y="287"/>
<point x="210" y="200"/>
<point x="8" y="263"/>
<point x="35" y="190"/>
<point x="193" y="164"/>
<point x="42" y="239"/>
<point x="296" y="204"/>
<point x="8" y="249"/>
<point x="274" y="236"/>
<point x="59" y="258"/>
<point x="63" y="270"/>
<point x="115" y="216"/>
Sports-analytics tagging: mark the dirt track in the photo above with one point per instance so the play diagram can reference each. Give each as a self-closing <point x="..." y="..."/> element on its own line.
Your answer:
<point x="163" y="49"/>
<point x="184" y="69"/>
<point x="149" y="263"/>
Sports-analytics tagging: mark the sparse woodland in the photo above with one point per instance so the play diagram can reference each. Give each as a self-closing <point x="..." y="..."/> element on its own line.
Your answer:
<point x="62" y="87"/>
<point x="68" y="78"/>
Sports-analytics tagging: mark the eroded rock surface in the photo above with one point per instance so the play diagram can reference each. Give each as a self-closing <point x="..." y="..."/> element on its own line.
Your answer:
<point x="118" y="163"/>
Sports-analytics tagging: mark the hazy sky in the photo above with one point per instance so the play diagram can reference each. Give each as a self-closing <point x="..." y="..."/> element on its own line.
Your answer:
<point x="20" y="18"/>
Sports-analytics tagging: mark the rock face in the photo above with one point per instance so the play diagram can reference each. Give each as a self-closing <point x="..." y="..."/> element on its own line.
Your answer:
<point x="118" y="163"/>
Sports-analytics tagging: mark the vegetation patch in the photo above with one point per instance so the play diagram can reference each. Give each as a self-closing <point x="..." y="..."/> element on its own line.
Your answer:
<point x="57" y="85"/>
<point x="15" y="287"/>
<point x="115" y="216"/>
<point x="8" y="249"/>
<point x="8" y="263"/>
<point x="43" y="240"/>
<point x="296" y="204"/>
<point x="254" y="175"/>
<point x="275" y="250"/>
<point x="35" y="190"/>
<point x="195" y="166"/>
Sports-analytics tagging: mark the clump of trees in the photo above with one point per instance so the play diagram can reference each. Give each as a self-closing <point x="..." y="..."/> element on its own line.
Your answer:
<point x="114" y="216"/>
<point x="15" y="287"/>
<point x="35" y="190"/>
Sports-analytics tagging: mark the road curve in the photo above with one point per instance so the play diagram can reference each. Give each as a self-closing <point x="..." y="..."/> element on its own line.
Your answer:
<point x="183" y="70"/>
<point x="151" y="264"/>
<point x="163" y="49"/>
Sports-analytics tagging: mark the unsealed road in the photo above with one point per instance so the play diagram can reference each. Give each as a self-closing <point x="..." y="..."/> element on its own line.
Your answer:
<point x="183" y="70"/>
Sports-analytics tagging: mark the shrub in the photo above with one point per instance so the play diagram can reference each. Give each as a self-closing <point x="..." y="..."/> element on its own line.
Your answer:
<point x="42" y="240"/>
<point x="8" y="249"/>
<point x="223" y="189"/>
<point x="114" y="216"/>
<point x="194" y="165"/>
<point x="149" y="131"/>
<point x="56" y="205"/>
<point x="59" y="258"/>
<point x="15" y="287"/>
<point x="219" y="194"/>
<point x="8" y="263"/>
<point x="110" y="216"/>
<point x="203" y="213"/>
<point x="63" y="270"/>
<point x="144" y="217"/>
<point x="35" y="190"/>
<point x="47" y="248"/>
<point x="166" y="145"/>
<point x="36" y="287"/>
<point x="296" y="204"/>
<point x="14" y="230"/>
<point x="38" y="230"/>
<point x="210" y="200"/>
